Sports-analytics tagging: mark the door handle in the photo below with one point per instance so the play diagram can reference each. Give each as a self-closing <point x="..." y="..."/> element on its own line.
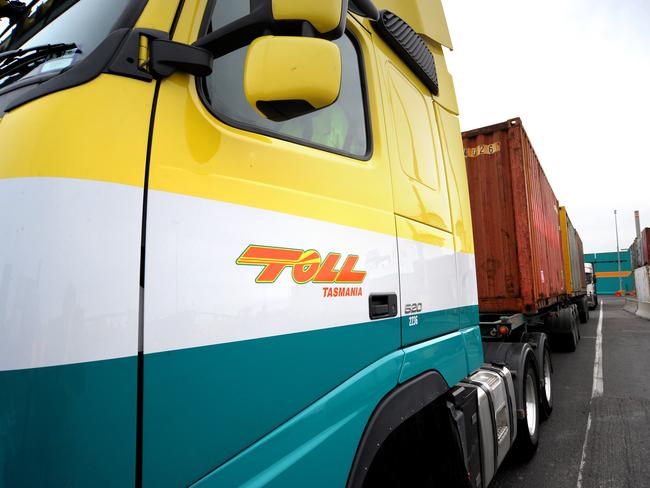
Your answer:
<point x="383" y="305"/>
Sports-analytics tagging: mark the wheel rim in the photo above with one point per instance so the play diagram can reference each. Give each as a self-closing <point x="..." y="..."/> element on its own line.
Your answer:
<point x="547" y="377"/>
<point x="531" y="405"/>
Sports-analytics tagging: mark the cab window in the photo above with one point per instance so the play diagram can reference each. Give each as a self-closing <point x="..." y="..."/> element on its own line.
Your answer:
<point x="341" y="128"/>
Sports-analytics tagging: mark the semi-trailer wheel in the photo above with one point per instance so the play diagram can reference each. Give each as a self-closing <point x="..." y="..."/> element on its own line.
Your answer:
<point x="583" y="310"/>
<point x="568" y="324"/>
<point x="576" y="320"/>
<point x="528" y="426"/>
<point x="546" y="393"/>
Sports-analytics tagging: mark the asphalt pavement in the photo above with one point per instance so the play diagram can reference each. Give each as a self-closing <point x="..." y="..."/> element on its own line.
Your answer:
<point x="595" y="439"/>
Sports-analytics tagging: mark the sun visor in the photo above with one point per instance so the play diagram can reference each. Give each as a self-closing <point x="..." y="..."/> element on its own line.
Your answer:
<point x="426" y="17"/>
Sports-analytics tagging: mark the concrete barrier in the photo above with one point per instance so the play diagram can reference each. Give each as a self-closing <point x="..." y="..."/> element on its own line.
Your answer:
<point x="631" y="305"/>
<point x="642" y="283"/>
<point x="644" y="310"/>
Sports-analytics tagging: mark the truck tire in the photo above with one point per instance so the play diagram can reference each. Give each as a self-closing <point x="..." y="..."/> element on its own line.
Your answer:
<point x="546" y="393"/>
<point x="576" y="320"/>
<point x="539" y="341"/>
<point x="583" y="310"/>
<point x="569" y="337"/>
<point x="528" y="426"/>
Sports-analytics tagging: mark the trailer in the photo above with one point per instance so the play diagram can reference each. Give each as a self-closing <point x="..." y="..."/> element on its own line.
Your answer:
<point x="527" y="252"/>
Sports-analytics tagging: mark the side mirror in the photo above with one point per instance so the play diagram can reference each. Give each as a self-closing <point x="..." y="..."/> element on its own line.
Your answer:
<point x="285" y="77"/>
<point x="321" y="19"/>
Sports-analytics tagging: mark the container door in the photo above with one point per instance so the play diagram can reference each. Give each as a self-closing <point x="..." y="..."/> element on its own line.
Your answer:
<point x="264" y="243"/>
<point x="428" y="275"/>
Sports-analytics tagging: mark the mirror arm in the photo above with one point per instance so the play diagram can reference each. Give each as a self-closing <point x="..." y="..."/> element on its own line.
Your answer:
<point x="233" y="36"/>
<point x="168" y="56"/>
<point x="239" y="33"/>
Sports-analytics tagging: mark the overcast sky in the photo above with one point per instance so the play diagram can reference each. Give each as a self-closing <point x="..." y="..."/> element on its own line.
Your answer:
<point x="578" y="74"/>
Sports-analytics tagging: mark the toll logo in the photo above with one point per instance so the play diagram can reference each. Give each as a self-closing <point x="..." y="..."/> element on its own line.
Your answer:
<point x="306" y="266"/>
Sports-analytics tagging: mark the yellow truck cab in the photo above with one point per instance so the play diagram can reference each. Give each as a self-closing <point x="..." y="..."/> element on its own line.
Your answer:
<point x="236" y="250"/>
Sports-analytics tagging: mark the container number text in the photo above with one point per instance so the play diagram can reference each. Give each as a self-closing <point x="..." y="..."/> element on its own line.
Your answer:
<point x="482" y="150"/>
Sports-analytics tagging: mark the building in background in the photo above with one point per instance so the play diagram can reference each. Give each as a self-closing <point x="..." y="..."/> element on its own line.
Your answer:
<point x="606" y="270"/>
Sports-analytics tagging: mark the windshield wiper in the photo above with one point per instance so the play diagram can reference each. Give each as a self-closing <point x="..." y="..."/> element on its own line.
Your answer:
<point x="12" y="62"/>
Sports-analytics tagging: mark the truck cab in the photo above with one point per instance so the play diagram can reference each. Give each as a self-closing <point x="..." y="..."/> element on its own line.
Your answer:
<point x="590" y="279"/>
<point x="238" y="250"/>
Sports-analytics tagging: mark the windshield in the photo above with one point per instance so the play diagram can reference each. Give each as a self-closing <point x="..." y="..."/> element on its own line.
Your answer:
<point x="25" y="24"/>
<point x="589" y="278"/>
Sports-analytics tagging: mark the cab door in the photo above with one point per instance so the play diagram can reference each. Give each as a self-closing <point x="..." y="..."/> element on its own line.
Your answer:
<point x="72" y="171"/>
<point x="264" y="244"/>
<point x="428" y="276"/>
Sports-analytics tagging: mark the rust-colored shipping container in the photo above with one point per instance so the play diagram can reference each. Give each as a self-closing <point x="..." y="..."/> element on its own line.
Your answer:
<point x="516" y="222"/>
<point x="645" y="243"/>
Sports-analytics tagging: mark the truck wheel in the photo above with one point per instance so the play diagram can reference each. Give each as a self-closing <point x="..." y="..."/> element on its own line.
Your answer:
<point x="568" y="324"/>
<point x="546" y="393"/>
<point x="577" y="322"/>
<point x="583" y="310"/>
<point x="528" y="426"/>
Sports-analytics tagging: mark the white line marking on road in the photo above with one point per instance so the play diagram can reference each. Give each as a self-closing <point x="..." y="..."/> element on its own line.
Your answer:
<point x="584" y="452"/>
<point x="596" y="390"/>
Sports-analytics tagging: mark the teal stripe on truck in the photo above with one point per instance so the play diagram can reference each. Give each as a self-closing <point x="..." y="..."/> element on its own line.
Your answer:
<point x="269" y="410"/>
<point x="445" y="354"/>
<point x="277" y="410"/>
<point x="435" y="324"/>
<point x="71" y="425"/>
<point x="316" y="448"/>
<point x="204" y="405"/>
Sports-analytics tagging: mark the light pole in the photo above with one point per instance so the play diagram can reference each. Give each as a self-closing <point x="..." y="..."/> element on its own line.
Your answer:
<point x="618" y="255"/>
